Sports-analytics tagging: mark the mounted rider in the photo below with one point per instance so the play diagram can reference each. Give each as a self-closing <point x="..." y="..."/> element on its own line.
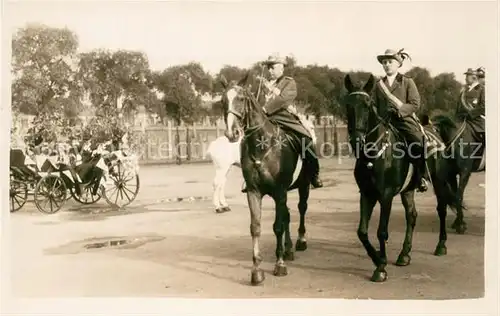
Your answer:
<point x="396" y="96"/>
<point x="481" y="74"/>
<point x="280" y="93"/>
<point x="471" y="104"/>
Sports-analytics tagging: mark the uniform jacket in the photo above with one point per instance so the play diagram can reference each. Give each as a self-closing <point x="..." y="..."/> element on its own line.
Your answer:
<point x="288" y="93"/>
<point x="404" y="89"/>
<point x="471" y="103"/>
<point x="276" y="106"/>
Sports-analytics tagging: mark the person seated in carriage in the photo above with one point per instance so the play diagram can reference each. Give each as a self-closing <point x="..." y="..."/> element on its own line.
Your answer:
<point x="280" y="93"/>
<point x="396" y="96"/>
<point x="471" y="104"/>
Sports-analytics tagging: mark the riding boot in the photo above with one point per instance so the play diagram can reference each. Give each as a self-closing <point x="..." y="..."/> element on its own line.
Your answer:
<point x="244" y="190"/>
<point x="421" y="171"/>
<point x="312" y="165"/>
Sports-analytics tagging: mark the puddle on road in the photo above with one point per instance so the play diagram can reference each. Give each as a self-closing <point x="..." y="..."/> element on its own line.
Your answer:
<point x="101" y="213"/>
<point x="102" y="244"/>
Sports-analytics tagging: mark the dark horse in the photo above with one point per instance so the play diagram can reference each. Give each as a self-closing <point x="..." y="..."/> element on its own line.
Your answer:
<point x="381" y="174"/>
<point x="466" y="154"/>
<point x="268" y="162"/>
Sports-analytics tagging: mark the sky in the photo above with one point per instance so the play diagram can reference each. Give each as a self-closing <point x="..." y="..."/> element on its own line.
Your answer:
<point x="445" y="36"/>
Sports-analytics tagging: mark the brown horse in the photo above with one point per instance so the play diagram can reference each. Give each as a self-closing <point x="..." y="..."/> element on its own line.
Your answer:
<point x="271" y="165"/>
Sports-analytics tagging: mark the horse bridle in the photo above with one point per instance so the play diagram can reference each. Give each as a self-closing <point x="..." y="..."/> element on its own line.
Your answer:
<point x="372" y="109"/>
<point x="246" y="128"/>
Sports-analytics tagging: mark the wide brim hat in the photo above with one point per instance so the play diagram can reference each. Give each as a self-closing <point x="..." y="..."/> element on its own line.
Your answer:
<point x="471" y="71"/>
<point x="481" y="72"/>
<point x="274" y="59"/>
<point x="390" y="54"/>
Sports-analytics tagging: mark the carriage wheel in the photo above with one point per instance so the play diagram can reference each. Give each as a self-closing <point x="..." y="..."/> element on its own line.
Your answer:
<point x="50" y="194"/>
<point x="87" y="197"/>
<point x="125" y="187"/>
<point x="18" y="194"/>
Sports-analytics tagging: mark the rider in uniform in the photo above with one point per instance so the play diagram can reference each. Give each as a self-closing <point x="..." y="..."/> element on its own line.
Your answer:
<point x="481" y="73"/>
<point x="397" y="97"/>
<point x="471" y="104"/>
<point x="280" y="93"/>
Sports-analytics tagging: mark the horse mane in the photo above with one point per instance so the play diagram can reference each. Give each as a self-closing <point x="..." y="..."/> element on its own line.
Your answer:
<point x="443" y="121"/>
<point x="444" y="124"/>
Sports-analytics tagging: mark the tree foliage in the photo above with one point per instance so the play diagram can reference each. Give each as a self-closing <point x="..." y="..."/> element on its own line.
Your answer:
<point x="53" y="82"/>
<point x="43" y="69"/>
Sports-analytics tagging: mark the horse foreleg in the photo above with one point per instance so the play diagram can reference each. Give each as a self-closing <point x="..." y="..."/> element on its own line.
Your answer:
<point x="289" y="255"/>
<point x="301" y="244"/>
<point x="222" y="190"/>
<point x="219" y="199"/>
<point x="408" y="199"/>
<point x="380" y="275"/>
<point x="255" y="205"/>
<point x="367" y="203"/>
<point x="282" y="217"/>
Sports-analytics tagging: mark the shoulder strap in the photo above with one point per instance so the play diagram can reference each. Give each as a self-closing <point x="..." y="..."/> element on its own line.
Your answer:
<point x="391" y="97"/>
<point x="464" y="101"/>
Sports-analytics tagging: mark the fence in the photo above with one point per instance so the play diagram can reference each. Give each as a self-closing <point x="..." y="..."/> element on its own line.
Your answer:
<point x="159" y="144"/>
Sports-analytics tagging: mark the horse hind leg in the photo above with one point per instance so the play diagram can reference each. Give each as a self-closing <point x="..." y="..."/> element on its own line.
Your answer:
<point x="301" y="243"/>
<point x="408" y="200"/>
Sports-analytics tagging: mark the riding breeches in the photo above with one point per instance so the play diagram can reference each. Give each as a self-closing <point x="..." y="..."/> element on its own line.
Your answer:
<point x="412" y="133"/>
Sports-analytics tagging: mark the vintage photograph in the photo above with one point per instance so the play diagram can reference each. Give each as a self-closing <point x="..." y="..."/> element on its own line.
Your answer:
<point x="216" y="149"/>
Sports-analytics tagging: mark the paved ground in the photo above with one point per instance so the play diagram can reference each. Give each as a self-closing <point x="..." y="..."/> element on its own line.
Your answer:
<point x="183" y="248"/>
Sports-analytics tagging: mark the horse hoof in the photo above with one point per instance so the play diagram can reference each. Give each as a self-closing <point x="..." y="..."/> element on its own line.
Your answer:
<point x="379" y="276"/>
<point x="300" y="245"/>
<point x="222" y="210"/>
<point x="289" y="256"/>
<point x="440" y="251"/>
<point x="461" y="228"/>
<point x="403" y="260"/>
<point x="257" y="277"/>
<point x="280" y="270"/>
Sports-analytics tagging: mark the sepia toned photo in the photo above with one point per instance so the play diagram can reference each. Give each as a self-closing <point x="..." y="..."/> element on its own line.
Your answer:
<point x="248" y="150"/>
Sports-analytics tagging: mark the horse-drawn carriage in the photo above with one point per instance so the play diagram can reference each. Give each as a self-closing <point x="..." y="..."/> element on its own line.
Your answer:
<point x="53" y="179"/>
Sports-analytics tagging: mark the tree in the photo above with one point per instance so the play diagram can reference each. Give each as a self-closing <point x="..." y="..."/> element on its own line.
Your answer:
<point x="182" y="87"/>
<point x="446" y="93"/>
<point x="425" y="86"/>
<point x="43" y="61"/>
<point x="111" y="76"/>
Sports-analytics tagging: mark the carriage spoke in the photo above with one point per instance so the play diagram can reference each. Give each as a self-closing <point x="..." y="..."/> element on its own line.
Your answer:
<point x="55" y="202"/>
<point x="124" y="192"/>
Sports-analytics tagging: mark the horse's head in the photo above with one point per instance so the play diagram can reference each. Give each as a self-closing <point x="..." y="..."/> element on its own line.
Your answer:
<point x="359" y="105"/>
<point x="236" y="100"/>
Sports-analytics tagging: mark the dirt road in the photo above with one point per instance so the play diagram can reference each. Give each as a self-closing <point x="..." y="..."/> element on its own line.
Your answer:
<point x="182" y="248"/>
